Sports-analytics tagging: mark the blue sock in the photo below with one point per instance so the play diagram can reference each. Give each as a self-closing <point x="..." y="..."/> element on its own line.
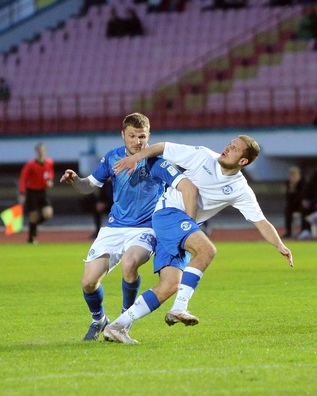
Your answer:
<point x="94" y="302"/>
<point x="130" y="292"/>
<point x="190" y="279"/>
<point x="151" y="300"/>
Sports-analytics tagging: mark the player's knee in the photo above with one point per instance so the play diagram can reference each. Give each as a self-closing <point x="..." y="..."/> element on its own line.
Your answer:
<point x="211" y="252"/>
<point x="130" y="266"/>
<point x="34" y="217"/>
<point x="48" y="212"/>
<point x="205" y="255"/>
<point x="129" y="270"/>
<point x="89" y="285"/>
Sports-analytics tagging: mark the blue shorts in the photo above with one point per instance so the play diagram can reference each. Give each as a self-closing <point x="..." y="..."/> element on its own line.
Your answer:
<point x="172" y="227"/>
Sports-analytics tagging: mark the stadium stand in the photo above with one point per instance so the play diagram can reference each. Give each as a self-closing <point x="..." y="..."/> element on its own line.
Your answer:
<point x="241" y="67"/>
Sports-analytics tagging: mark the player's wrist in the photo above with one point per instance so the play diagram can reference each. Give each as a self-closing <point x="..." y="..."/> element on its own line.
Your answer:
<point x="138" y="157"/>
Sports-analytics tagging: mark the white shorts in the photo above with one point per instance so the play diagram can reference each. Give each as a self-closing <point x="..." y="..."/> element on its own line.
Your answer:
<point x="116" y="241"/>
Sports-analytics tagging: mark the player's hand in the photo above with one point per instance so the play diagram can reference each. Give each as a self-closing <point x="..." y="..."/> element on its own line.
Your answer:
<point x="69" y="177"/>
<point x="125" y="163"/>
<point x="286" y="253"/>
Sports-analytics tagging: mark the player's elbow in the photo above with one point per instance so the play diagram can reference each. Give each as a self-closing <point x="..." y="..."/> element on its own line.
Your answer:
<point x="188" y="188"/>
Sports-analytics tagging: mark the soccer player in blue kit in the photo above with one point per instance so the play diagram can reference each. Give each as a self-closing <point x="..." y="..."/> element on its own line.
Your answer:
<point x="220" y="183"/>
<point x="128" y="237"/>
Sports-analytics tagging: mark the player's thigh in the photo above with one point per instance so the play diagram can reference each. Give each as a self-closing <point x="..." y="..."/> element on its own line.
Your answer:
<point x="95" y="270"/>
<point x="132" y="259"/>
<point x="198" y="243"/>
<point x="135" y="256"/>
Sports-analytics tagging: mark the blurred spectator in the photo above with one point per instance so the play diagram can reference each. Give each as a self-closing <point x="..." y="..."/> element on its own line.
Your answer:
<point x="133" y="24"/>
<point x="102" y="206"/>
<point x="279" y="3"/>
<point x="166" y="5"/>
<point x="88" y="3"/>
<point x="155" y="6"/>
<point x="295" y="186"/>
<point x="175" y="5"/>
<point x="308" y="25"/>
<point x="129" y="26"/>
<point x="225" y="4"/>
<point x="309" y="204"/>
<point x="5" y="91"/>
<point x="115" y="27"/>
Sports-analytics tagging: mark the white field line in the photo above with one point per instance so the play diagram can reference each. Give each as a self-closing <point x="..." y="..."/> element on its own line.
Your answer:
<point x="155" y="372"/>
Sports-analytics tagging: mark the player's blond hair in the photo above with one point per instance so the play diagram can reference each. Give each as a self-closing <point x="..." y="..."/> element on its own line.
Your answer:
<point x="252" y="151"/>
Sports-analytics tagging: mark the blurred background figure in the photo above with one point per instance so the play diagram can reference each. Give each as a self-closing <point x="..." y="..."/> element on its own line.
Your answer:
<point x="102" y="206"/>
<point x="130" y="25"/>
<point x="88" y="3"/>
<point x="308" y="25"/>
<point x="133" y="23"/>
<point x="295" y="187"/>
<point x="36" y="176"/>
<point x="5" y="91"/>
<point x="115" y="26"/>
<point x="309" y="204"/>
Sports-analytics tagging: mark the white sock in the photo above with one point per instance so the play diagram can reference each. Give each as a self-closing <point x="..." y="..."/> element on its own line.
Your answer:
<point x="183" y="296"/>
<point x="189" y="282"/>
<point x="136" y="311"/>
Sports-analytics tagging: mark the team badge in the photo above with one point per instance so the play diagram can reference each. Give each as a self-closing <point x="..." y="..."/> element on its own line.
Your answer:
<point x="111" y="219"/>
<point x="185" y="226"/>
<point x="144" y="172"/>
<point x="227" y="190"/>
<point x="91" y="252"/>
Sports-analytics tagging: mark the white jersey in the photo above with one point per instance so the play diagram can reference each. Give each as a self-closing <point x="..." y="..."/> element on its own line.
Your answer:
<point x="216" y="190"/>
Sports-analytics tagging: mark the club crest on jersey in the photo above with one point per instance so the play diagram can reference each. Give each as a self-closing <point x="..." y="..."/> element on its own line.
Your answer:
<point x="185" y="226"/>
<point x="227" y="190"/>
<point x="111" y="219"/>
<point x="91" y="252"/>
<point x="144" y="172"/>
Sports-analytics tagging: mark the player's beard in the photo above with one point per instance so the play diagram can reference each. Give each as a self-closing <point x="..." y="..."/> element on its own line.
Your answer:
<point x="133" y="150"/>
<point x="227" y="166"/>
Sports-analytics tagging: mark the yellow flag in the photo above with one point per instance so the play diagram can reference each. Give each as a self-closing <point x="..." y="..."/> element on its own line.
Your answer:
<point x="13" y="219"/>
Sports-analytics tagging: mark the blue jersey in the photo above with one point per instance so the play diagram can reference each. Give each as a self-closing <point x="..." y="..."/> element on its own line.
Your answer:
<point x="136" y="195"/>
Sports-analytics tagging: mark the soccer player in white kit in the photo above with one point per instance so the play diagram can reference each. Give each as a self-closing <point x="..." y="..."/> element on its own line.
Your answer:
<point x="220" y="184"/>
<point x="128" y="237"/>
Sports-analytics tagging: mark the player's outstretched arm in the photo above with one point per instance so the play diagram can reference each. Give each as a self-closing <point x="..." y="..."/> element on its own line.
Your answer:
<point x="81" y="185"/>
<point x="190" y="197"/>
<point x="130" y="162"/>
<point x="69" y="177"/>
<point x="269" y="232"/>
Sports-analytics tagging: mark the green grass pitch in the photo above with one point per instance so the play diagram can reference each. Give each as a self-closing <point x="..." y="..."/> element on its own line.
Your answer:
<point x="257" y="333"/>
